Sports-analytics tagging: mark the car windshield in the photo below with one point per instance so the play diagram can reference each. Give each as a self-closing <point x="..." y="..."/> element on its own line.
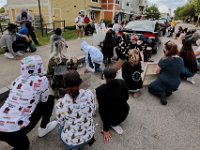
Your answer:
<point x="162" y="21"/>
<point x="141" y="25"/>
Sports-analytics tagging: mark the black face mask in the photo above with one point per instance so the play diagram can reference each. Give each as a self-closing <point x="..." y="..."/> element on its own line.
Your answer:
<point x="24" y="14"/>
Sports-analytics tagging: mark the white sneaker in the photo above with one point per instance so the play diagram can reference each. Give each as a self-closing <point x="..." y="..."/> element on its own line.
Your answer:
<point x="90" y="69"/>
<point x="19" y="53"/>
<point x="9" y="55"/>
<point x="191" y="80"/>
<point x="44" y="131"/>
<point x="118" y="129"/>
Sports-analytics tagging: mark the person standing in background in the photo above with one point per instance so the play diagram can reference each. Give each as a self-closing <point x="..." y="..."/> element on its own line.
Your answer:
<point x="79" y="25"/>
<point x="24" y="18"/>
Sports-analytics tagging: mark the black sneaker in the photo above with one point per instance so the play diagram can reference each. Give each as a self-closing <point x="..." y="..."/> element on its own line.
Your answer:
<point x="168" y="93"/>
<point x="163" y="99"/>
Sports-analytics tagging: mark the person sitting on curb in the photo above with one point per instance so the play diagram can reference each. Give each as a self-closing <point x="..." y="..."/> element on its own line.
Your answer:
<point x="112" y="99"/>
<point x="74" y="113"/>
<point x="26" y="104"/>
<point x="93" y="57"/>
<point x="169" y="70"/>
<point x="11" y="42"/>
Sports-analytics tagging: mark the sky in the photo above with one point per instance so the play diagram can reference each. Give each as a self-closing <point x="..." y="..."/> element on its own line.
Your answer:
<point x="2" y="3"/>
<point x="164" y="5"/>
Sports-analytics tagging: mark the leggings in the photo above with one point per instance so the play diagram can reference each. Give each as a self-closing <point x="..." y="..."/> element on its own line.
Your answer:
<point x="19" y="139"/>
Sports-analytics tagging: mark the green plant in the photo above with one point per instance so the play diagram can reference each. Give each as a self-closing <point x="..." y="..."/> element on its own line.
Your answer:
<point x="71" y="27"/>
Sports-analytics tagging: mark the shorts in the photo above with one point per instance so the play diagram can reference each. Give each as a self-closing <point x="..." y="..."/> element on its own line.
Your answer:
<point x="78" y="27"/>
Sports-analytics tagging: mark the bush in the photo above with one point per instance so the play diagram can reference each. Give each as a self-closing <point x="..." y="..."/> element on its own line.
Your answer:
<point x="71" y="27"/>
<point x="107" y="22"/>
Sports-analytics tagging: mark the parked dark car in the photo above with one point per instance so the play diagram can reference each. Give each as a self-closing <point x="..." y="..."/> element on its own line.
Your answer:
<point x="144" y="28"/>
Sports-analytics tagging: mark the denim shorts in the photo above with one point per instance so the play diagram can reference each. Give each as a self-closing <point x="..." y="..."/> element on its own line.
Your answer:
<point x="71" y="147"/>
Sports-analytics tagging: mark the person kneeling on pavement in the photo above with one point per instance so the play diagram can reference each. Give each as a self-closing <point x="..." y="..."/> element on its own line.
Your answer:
<point x="25" y="31"/>
<point x="93" y="57"/>
<point x="169" y="70"/>
<point x="58" y="64"/>
<point x="74" y="113"/>
<point x="13" y="42"/>
<point x="189" y="59"/>
<point x="113" y="107"/>
<point x="26" y="104"/>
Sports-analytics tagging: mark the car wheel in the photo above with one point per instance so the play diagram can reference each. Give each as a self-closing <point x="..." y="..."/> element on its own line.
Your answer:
<point x="155" y="48"/>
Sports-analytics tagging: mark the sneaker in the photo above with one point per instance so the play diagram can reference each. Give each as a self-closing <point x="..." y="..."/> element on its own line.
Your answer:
<point x="44" y="131"/>
<point x="117" y="129"/>
<point x="191" y="80"/>
<point x="9" y="55"/>
<point x="19" y="53"/>
<point x="163" y="99"/>
<point x="90" y="69"/>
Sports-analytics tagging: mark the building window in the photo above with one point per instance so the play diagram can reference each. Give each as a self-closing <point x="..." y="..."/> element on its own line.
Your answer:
<point x="117" y="1"/>
<point x="96" y="1"/>
<point x="92" y="15"/>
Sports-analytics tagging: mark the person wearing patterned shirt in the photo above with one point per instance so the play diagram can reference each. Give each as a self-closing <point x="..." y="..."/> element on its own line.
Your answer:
<point x="26" y="104"/>
<point x="74" y="113"/>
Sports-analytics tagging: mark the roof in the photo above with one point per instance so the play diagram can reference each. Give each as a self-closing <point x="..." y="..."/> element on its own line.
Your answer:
<point x="94" y="8"/>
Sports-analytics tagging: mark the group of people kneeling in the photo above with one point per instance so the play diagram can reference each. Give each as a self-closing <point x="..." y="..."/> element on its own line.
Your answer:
<point x="31" y="97"/>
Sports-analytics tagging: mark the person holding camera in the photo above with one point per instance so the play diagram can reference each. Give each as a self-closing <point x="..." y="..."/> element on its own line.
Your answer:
<point x="22" y="19"/>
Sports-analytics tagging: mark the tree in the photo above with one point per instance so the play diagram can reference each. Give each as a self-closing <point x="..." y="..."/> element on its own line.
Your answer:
<point x="185" y="11"/>
<point x="197" y="8"/>
<point x="153" y="12"/>
<point x="2" y="10"/>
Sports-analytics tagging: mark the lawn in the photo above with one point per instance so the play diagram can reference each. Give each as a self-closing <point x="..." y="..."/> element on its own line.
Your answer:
<point x="68" y="35"/>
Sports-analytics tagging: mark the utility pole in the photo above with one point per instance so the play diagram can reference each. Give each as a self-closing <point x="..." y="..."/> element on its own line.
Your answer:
<point x="41" y="24"/>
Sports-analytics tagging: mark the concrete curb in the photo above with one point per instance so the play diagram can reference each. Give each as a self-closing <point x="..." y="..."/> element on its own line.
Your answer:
<point x="4" y="93"/>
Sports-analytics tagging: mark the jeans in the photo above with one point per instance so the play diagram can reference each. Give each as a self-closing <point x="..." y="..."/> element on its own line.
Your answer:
<point x="95" y="65"/>
<point x="157" y="89"/>
<point x="19" y="139"/>
<point x="186" y="73"/>
<point x="72" y="147"/>
<point x="31" y="32"/>
<point x="198" y="63"/>
<point x="20" y="44"/>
